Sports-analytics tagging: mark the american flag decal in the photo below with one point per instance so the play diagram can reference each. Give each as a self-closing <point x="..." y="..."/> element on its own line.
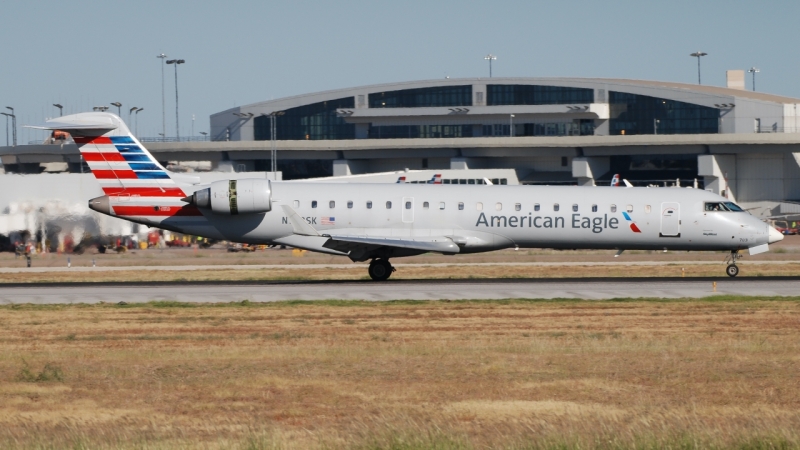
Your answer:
<point x="327" y="220"/>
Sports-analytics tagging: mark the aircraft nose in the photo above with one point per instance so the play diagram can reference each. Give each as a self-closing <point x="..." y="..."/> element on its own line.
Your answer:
<point x="774" y="235"/>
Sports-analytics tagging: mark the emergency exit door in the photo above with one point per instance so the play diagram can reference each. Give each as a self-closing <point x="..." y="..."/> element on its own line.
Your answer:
<point x="670" y="219"/>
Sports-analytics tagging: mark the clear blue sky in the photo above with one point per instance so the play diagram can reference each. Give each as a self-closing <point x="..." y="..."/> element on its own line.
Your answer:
<point x="86" y="53"/>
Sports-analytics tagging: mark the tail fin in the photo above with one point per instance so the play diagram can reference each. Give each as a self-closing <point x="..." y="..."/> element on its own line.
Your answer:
<point x="121" y="164"/>
<point x="615" y="180"/>
<point x="436" y="179"/>
<point x="401" y="180"/>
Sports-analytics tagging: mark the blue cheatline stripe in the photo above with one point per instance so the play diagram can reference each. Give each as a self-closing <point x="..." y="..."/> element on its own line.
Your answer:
<point x="121" y="140"/>
<point x="143" y="166"/>
<point x="627" y="217"/>
<point x="151" y="175"/>
<point x="137" y="157"/>
<point x="129" y="148"/>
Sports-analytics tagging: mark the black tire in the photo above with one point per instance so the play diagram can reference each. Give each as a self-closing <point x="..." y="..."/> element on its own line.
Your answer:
<point x="380" y="270"/>
<point x="732" y="270"/>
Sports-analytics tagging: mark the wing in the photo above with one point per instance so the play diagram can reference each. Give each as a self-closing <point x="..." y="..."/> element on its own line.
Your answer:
<point x="345" y="243"/>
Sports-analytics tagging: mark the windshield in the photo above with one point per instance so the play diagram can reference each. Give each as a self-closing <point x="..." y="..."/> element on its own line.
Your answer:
<point x="723" y="206"/>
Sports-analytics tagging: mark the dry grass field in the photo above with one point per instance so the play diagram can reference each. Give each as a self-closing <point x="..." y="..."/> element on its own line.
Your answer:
<point x="716" y="373"/>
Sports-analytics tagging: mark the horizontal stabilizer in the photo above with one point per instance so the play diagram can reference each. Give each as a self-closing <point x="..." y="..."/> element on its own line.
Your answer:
<point x="84" y="121"/>
<point x="299" y="226"/>
<point x="440" y="244"/>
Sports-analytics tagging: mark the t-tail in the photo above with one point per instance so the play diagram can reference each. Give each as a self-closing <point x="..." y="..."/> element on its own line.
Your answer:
<point x="136" y="186"/>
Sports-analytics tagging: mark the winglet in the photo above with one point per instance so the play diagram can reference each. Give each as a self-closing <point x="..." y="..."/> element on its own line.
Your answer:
<point x="299" y="226"/>
<point x="627" y="183"/>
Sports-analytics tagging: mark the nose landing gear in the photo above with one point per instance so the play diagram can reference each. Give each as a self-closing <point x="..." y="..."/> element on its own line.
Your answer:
<point x="380" y="269"/>
<point x="732" y="270"/>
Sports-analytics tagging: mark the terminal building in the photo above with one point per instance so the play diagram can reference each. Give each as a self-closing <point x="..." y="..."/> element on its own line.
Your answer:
<point x="744" y="145"/>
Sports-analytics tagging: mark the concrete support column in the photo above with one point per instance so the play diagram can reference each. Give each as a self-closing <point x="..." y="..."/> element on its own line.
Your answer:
<point x="345" y="167"/>
<point x="587" y="168"/>
<point x="459" y="163"/>
<point x="719" y="174"/>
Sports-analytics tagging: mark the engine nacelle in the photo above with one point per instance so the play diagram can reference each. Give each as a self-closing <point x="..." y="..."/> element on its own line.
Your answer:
<point x="232" y="197"/>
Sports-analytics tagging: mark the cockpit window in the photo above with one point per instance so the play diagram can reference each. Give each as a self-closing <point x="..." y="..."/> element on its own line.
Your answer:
<point x="734" y="207"/>
<point x="723" y="206"/>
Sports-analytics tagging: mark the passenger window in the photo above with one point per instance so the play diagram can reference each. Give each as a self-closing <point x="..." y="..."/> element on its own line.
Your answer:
<point x="388" y="205"/>
<point x="479" y="206"/>
<point x="629" y="208"/>
<point x="369" y="205"/>
<point x="349" y="204"/>
<point x="574" y="208"/>
<point x="332" y="204"/>
<point x="498" y="206"/>
<point x="313" y="203"/>
<point x="594" y="208"/>
<point x="613" y="208"/>
<point x="460" y="206"/>
<point x="297" y="203"/>
<point x="441" y="205"/>
<point x="425" y="205"/>
<point x="517" y="207"/>
<point x="555" y="207"/>
<point x="647" y="209"/>
<point x="536" y="207"/>
<point x="408" y="205"/>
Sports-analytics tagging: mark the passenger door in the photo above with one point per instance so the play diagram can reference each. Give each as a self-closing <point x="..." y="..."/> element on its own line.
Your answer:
<point x="670" y="219"/>
<point x="408" y="209"/>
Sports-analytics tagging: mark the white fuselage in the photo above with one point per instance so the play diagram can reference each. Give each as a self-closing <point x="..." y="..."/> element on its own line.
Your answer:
<point x="482" y="218"/>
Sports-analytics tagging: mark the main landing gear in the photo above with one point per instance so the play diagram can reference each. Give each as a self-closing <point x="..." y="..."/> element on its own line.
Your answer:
<point x="380" y="269"/>
<point x="732" y="270"/>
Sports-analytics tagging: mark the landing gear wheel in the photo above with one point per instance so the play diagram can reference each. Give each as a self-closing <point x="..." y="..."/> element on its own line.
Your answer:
<point x="732" y="270"/>
<point x="380" y="270"/>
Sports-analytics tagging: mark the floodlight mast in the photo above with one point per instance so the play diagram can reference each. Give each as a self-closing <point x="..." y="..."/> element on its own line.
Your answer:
<point x="490" y="57"/>
<point x="163" y="102"/>
<point x="698" y="55"/>
<point x="754" y="71"/>
<point x="177" y="121"/>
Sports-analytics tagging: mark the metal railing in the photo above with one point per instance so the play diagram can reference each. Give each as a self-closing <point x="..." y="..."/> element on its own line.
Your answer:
<point x="175" y="139"/>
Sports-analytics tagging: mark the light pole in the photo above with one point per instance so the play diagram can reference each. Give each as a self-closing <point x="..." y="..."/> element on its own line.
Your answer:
<point x="119" y="107"/>
<point x="273" y="130"/>
<point x="177" y="123"/>
<point x="192" y="126"/>
<point x="204" y="134"/>
<point x="130" y="112"/>
<point x="13" y="125"/>
<point x="163" y="102"/>
<point x="490" y="57"/>
<point x="754" y="71"/>
<point x="136" y="116"/>
<point x="511" y="126"/>
<point x="60" y="109"/>
<point x="7" y="116"/>
<point x="698" y="55"/>
<point x="655" y="126"/>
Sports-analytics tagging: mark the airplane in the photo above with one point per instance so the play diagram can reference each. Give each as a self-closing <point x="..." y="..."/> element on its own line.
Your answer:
<point x="378" y="222"/>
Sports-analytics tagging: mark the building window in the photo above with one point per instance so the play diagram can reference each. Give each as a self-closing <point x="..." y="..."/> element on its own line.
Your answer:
<point x="479" y="206"/>
<point x="642" y="114"/>
<point x="522" y="94"/>
<point x="313" y="203"/>
<point x="331" y="204"/>
<point x="388" y="205"/>
<point x="564" y="161"/>
<point x="317" y="121"/>
<point x="349" y="204"/>
<point x="369" y="205"/>
<point x="536" y="207"/>
<point x="423" y="97"/>
<point x="419" y="131"/>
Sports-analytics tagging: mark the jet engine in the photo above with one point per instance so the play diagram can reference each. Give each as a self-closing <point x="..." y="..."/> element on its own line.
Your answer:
<point x="232" y="197"/>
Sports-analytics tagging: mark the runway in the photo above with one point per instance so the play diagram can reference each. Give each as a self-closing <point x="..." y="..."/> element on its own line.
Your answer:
<point x="589" y="289"/>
